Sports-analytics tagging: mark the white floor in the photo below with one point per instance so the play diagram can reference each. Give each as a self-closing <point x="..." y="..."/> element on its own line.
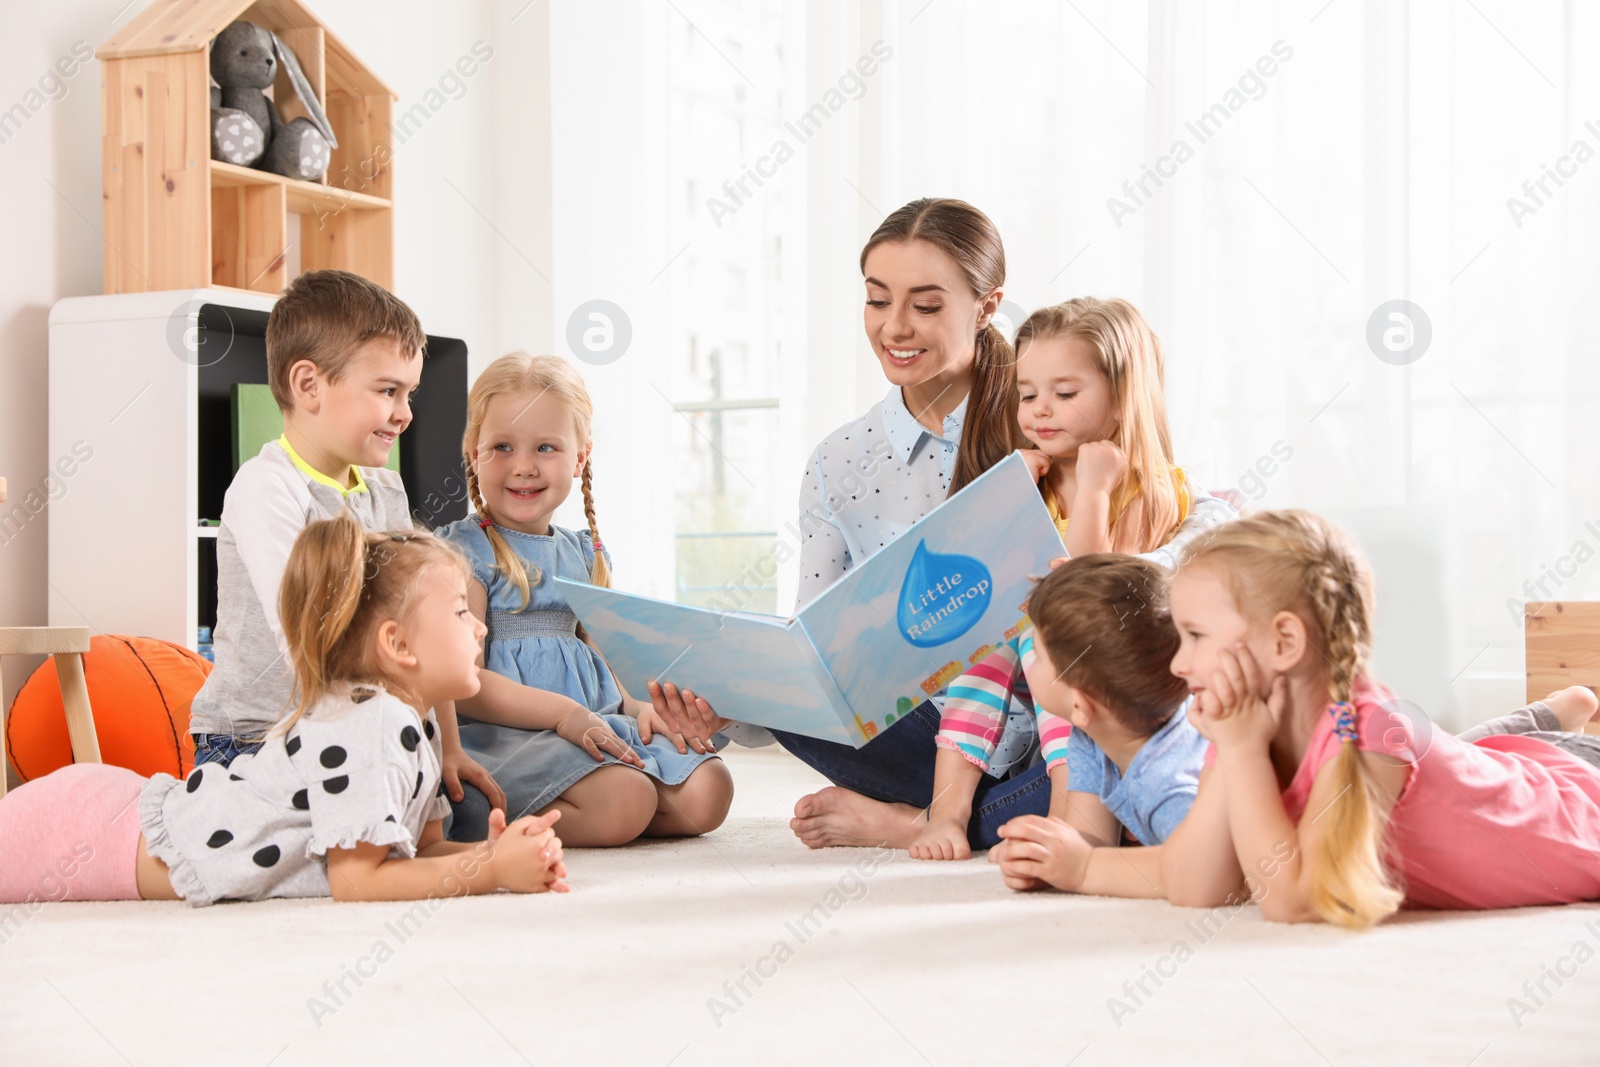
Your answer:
<point x="845" y="956"/>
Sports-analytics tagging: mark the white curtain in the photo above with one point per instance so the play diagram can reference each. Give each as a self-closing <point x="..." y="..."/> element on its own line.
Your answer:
<point x="1259" y="178"/>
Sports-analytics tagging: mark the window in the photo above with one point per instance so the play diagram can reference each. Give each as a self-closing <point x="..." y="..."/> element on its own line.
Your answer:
<point x="724" y="336"/>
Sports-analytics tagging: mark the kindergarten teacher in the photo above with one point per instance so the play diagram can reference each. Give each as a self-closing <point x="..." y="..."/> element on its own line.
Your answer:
<point x="934" y="272"/>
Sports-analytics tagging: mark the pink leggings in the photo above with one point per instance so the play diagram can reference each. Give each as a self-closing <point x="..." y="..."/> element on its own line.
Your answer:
<point x="71" y="835"/>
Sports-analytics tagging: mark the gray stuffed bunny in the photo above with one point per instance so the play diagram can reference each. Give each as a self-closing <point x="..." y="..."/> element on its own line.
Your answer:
<point x="245" y="127"/>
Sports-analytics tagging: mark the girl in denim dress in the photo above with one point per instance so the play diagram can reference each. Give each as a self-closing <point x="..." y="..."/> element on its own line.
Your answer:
<point x="550" y="722"/>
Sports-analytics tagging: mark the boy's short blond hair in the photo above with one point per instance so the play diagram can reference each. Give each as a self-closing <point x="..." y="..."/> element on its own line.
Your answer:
<point x="324" y="316"/>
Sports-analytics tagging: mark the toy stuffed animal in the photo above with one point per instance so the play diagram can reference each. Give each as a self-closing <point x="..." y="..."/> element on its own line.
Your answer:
<point x="245" y="127"/>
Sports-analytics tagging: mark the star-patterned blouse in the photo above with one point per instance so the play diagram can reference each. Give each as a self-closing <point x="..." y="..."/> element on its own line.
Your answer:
<point x="867" y="483"/>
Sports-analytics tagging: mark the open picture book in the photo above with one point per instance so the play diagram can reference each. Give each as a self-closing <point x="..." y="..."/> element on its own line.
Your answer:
<point x="891" y="632"/>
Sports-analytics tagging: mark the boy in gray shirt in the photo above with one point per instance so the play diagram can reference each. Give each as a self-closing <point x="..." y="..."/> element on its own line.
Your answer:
<point x="344" y="356"/>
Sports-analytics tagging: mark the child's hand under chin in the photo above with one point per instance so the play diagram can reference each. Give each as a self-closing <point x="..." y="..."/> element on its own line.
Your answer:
<point x="1101" y="466"/>
<point x="1231" y="713"/>
<point x="1038" y="462"/>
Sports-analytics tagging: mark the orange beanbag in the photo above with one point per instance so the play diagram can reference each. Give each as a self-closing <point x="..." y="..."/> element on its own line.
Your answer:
<point x="139" y="688"/>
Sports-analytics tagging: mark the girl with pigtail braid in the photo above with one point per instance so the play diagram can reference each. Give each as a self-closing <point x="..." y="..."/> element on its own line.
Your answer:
<point x="1321" y="799"/>
<point x="551" y="719"/>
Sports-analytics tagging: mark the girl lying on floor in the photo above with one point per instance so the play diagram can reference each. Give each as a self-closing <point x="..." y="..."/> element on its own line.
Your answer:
<point x="1319" y="798"/>
<point x="344" y="799"/>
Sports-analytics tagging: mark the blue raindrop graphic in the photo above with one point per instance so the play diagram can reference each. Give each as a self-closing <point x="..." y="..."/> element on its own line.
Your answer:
<point x="942" y="598"/>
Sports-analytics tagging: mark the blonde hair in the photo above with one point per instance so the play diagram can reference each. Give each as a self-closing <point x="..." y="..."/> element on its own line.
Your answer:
<point x="340" y="584"/>
<point x="512" y="374"/>
<point x="1293" y="560"/>
<point x="1127" y="352"/>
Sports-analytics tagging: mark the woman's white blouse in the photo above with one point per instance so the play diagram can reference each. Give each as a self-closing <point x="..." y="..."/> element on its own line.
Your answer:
<point x="867" y="483"/>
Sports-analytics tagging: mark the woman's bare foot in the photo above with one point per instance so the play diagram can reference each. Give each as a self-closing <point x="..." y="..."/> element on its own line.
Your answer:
<point x="835" y="816"/>
<point x="1574" y="706"/>
<point x="943" y="840"/>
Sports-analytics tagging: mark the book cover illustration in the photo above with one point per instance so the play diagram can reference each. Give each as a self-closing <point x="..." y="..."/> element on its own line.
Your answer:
<point x="891" y="632"/>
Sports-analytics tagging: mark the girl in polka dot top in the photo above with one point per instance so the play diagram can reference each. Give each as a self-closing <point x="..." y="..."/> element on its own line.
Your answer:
<point x="344" y="797"/>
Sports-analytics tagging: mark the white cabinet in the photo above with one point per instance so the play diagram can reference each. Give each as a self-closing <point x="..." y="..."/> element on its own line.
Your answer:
<point x="141" y="451"/>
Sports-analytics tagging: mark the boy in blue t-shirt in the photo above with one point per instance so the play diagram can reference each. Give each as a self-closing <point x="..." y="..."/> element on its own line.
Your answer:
<point x="1102" y="643"/>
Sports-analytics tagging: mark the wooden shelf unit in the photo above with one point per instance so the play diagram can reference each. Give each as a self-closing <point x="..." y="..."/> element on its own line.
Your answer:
<point x="176" y="219"/>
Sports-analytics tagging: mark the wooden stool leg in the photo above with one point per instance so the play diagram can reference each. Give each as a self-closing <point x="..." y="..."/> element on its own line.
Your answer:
<point x="5" y="757"/>
<point x="75" y="698"/>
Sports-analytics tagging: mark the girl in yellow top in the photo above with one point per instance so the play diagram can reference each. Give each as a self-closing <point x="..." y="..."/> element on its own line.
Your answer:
<point x="1091" y="401"/>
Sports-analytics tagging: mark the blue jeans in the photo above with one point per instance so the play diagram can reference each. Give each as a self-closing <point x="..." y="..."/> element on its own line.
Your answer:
<point x="221" y="748"/>
<point x="897" y="767"/>
<point x="468" y="820"/>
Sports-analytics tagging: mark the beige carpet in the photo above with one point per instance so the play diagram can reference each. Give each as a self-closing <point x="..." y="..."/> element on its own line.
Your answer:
<point x="844" y="957"/>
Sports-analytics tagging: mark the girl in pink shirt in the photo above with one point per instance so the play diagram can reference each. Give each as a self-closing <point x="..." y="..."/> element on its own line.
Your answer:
<point x="1320" y="795"/>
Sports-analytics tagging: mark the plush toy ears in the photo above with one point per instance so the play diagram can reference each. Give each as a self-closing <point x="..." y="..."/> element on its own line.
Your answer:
<point x="302" y="89"/>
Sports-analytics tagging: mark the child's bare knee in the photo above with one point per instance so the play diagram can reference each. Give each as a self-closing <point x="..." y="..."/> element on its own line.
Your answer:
<point x="706" y="797"/>
<point x="628" y="806"/>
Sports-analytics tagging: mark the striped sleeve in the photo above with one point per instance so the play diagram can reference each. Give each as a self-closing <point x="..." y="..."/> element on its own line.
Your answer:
<point x="1053" y="729"/>
<point x="1053" y="734"/>
<point x="975" y="704"/>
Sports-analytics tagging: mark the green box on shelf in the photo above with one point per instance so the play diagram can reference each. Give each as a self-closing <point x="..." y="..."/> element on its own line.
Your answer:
<point x="257" y="420"/>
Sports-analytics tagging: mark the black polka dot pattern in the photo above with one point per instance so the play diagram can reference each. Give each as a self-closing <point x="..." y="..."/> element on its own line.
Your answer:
<point x="427" y="728"/>
<point x="257" y="829"/>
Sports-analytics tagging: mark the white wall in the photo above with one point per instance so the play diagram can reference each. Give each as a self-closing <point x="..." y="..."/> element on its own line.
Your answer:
<point x="51" y="249"/>
<point x="446" y="254"/>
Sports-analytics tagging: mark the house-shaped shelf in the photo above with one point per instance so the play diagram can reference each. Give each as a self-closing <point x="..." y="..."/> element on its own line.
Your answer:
<point x="177" y="219"/>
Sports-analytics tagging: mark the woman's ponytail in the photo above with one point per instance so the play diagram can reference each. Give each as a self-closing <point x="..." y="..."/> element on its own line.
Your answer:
<point x="990" y="431"/>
